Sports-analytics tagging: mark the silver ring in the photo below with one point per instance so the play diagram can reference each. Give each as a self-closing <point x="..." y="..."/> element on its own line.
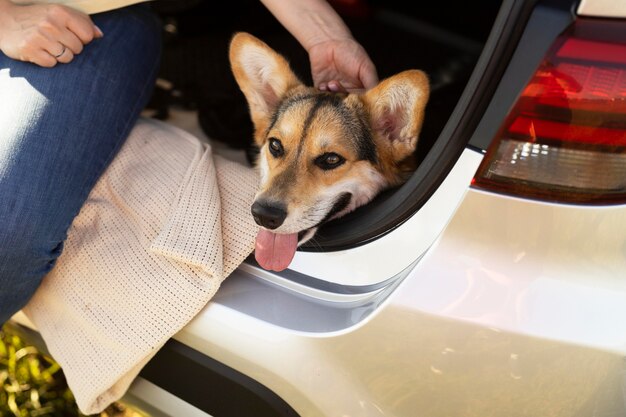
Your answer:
<point x="62" y="52"/>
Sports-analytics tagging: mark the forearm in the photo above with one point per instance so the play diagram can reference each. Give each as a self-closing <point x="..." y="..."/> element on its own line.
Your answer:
<point x="310" y="21"/>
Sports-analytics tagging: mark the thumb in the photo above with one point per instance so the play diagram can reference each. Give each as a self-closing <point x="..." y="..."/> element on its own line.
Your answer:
<point x="368" y="75"/>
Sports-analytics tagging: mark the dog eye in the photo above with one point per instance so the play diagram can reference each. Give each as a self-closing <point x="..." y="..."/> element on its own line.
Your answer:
<point x="276" y="148"/>
<point x="329" y="160"/>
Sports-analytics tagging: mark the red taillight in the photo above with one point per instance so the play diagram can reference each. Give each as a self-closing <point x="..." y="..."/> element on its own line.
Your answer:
<point x="565" y="138"/>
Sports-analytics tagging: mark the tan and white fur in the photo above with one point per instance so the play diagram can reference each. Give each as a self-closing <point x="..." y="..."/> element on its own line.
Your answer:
<point x="321" y="154"/>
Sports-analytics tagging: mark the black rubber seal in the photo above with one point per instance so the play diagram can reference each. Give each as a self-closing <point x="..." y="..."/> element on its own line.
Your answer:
<point x="210" y="385"/>
<point x="394" y="207"/>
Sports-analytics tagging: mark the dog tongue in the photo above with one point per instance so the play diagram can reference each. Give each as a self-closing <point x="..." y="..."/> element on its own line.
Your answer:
<point x="275" y="251"/>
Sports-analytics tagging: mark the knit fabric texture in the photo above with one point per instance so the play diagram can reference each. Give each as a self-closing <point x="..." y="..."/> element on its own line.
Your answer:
<point x="166" y="223"/>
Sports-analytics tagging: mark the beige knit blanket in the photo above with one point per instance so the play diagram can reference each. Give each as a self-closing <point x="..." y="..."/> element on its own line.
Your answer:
<point x="163" y="227"/>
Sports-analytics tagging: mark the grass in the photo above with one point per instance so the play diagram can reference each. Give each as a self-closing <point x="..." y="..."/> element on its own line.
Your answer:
<point x="33" y="385"/>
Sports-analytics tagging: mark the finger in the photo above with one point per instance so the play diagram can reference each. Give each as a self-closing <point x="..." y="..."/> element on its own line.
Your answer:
<point x="42" y="58"/>
<point x="336" y="87"/>
<point x="51" y="46"/>
<point x="99" y="33"/>
<point x="63" y="36"/>
<point x="84" y="30"/>
<point x="323" y="87"/>
<point x="368" y="76"/>
<point x="71" y="41"/>
<point x="66" y="57"/>
<point x="78" y="23"/>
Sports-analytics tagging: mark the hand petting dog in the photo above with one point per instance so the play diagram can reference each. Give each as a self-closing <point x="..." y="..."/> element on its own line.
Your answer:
<point x="322" y="154"/>
<point x="338" y="62"/>
<point x="342" y="66"/>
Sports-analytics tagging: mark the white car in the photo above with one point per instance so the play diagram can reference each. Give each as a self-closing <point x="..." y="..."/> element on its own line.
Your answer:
<point x="493" y="283"/>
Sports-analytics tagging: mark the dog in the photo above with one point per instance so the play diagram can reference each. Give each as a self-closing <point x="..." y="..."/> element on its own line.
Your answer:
<point x="321" y="154"/>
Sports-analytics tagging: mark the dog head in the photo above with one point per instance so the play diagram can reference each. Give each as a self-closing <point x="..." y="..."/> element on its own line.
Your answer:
<point x="321" y="154"/>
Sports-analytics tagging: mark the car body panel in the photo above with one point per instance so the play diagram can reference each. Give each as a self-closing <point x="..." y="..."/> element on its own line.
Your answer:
<point x="602" y="8"/>
<point x="400" y="247"/>
<point x="518" y="308"/>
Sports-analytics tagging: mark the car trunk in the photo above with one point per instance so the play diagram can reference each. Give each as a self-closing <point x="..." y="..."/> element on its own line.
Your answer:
<point x="447" y="40"/>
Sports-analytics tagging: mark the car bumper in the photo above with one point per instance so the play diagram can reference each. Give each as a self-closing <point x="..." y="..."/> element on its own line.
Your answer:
<point x="518" y="309"/>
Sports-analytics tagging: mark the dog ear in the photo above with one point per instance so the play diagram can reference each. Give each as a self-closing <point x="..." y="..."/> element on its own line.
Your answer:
<point x="396" y="107"/>
<point x="263" y="75"/>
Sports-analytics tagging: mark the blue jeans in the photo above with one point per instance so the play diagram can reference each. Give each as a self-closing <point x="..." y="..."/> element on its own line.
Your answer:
<point x="59" y="129"/>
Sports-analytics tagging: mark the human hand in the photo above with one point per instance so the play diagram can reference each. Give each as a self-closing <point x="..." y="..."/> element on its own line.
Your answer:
<point x="341" y="65"/>
<point x="44" y="34"/>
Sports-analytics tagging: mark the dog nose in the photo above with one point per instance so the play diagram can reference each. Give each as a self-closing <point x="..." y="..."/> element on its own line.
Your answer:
<point x="268" y="215"/>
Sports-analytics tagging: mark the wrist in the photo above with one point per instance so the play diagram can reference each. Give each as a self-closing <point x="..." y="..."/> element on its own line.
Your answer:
<point x="311" y="22"/>
<point x="323" y="29"/>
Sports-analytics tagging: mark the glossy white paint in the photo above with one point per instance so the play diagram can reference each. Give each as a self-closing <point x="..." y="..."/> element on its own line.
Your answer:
<point x="602" y="8"/>
<point x="307" y="290"/>
<point x="545" y="270"/>
<point x="518" y="309"/>
<point x="387" y="256"/>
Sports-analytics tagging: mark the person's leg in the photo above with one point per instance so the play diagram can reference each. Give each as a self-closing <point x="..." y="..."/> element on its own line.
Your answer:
<point x="59" y="129"/>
